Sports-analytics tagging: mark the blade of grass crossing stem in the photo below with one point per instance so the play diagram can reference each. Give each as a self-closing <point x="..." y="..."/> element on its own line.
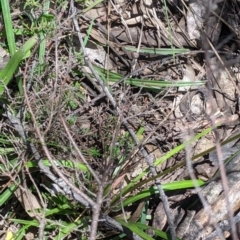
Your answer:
<point x="66" y="230"/>
<point x="58" y="210"/>
<point x="31" y="164"/>
<point x="104" y="75"/>
<point x="173" y="168"/>
<point x="180" y="147"/>
<point x="5" y="150"/>
<point x="62" y="163"/>
<point x="159" y="233"/>
<point x="7" y="73"/>
<point x="146" y="193"/>
<point x="172" y="152"/>
<point x="21" y="233"/>
<point x="66" y="227"/>
<point x="146" y="83"/>
<point x="133" y="227"/>
<point x="32" y="223"/>
<point x="8" y="26"/>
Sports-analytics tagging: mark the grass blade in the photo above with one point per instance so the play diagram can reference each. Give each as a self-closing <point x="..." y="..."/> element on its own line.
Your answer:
<point x="7" y="194"/>
<point x="8" y="26"/>
<point x="146" y="83"/>
<point x="184" y="184"/>
<point x="158" y="51"/>
<point x="133" y="227"/>
<point x="7" y="73"/>
<point x="171" y="153"/>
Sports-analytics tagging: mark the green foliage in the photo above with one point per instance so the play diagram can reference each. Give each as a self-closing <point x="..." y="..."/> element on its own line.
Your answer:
<point x="136" y="182"/>
<point x="7" y="73"/>
<point x="62" y="214"/>
<point x="94" y="152"/>
<point x="8" y="26"/>
<point x="74" y="96"/>
<point x="145" y="83"/>
<point x="158" y="51"/>
<point x="147" y="193"/>
<point x="72" y="120"/>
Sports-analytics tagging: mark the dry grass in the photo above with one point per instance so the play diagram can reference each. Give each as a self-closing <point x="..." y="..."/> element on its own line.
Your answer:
<point x="84" y="157"/>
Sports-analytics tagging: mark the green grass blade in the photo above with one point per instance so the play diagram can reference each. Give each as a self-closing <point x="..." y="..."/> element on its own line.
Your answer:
<point x="171" y="153"/>
<point x="31" y="164"/>
<point x="8" y="26"/>
<point x="41" y="52"/>
<point x="158" y="232"/>
<point x="7" y="193"/>
<point x="68" y="228"/>
<point x="5" y="150"/>
<point x="21" y="233"/>
<point x="62" y="163"/>
<point x="58" y="210"/>
<point x="183" y="184"/>
<point x="134" y="228"/>
<point x="144" y="212"/>
<point x="7" y="73"/>
<point x="32" y="223"/>
<point x="158" y="51"/>
<point x="147" y="83"/>
<point x="173" y="168"/>
<point x="88" y="32"/>
<point x="182" y="146"/>
<point x="43" y="42"/>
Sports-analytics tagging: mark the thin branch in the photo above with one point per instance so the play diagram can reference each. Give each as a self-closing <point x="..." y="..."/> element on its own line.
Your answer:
<point x="210" y="77"/>
<point x="225" y="225"/>
<point x="80" y="153"/>
<point x="63" y="182"/>
<point x="206" y="206"/>
<point x="96" y="213"/>
<point x="114" y="104"/>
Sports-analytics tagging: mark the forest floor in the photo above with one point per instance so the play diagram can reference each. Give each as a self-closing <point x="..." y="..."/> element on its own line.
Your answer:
<point x="120" y="120"/>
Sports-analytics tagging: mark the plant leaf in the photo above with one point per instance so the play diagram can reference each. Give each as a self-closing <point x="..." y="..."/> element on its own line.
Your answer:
<point x="7" y="73"/>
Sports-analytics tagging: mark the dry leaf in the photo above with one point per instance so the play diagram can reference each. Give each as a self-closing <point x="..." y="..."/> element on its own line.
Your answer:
<point x="28" y="201"/>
